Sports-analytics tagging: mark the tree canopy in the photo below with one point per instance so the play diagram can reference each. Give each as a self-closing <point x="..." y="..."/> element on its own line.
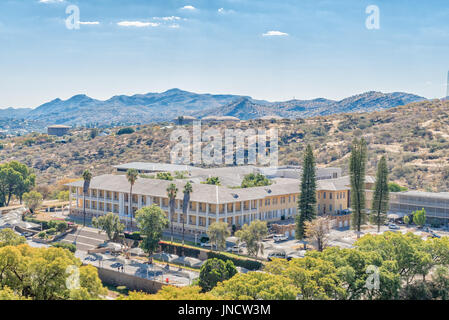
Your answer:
<point x="255" y="180"/>
<point x="252" y="236"/>
<point x="46" y="274"/>
<point x="15" y="180"/>
<point x="109" y="223"/>
<point x="152" y="222"/>
<point x="214" y="271"/>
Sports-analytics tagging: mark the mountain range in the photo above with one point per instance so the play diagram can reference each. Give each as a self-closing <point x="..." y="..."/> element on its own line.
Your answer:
<point x="154" y="107"/>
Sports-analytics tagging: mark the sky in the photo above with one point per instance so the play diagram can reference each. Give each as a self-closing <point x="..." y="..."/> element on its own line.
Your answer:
<point x="271" y="50"/>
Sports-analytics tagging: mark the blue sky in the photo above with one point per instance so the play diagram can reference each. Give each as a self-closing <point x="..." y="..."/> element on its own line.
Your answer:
<point x="273" y="50"/>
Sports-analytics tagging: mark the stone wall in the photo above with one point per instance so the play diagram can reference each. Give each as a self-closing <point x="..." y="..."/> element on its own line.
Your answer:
<point x="131" y="282"/>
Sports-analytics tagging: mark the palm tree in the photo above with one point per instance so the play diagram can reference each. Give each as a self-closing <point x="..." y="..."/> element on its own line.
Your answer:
<point x="132" y="176"/>
<point x="87" y="177"/>
<point x="172" y="191"/>
<point x="185" y="203"/>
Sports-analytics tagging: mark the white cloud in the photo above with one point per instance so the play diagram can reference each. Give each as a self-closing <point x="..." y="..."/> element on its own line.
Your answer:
<point x="51" y="1"/>
<point x="224" y="11"/>
<point x="138" y="24"/>
<point x="90" y="22"/>
<point x="275" y="34"/>
<point x="174" y="26"/>
<point x="190" y="8"/>
<point x="172" y="18"/>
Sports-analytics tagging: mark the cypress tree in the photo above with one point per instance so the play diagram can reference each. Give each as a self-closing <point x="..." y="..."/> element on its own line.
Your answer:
<point x="357" y="164"/>
<point x="381" y="195"/>
<point x="307" y="199"/>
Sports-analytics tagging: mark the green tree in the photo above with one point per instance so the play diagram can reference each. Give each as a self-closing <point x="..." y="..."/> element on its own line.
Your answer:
<point x="109" y="223"/>
<point x="256" y="286"/>
<point x="33" y="200"/>
<point x="381" y="195"/>
<point x="63" y="196"/>
<point x="407" y="220"/>
<point x="172" y="191"/>
<point x="218" y="232"/>
<point x="44" y="274"/>
<point x="131" y="176"/>
<point x="214" y="271"/>
<point x="419" y="217"/>
<point x="394" y="187"/>
<point x="164" y="176"/>
<point x="9" y="180"/>
<point x="87" y="177"/>
<point x="307" y="199"/>
<point x="213" y="181"/>
<point x="255" y="180"/>
<point x="93" y="133"/>
<point x="9" y="238"/>
<point x="357" y="164"/>
<point x="188" y="189"/>
<point x="152" y="222"/>
<point x="252" y="236"/>
<point x="27" y="179"/>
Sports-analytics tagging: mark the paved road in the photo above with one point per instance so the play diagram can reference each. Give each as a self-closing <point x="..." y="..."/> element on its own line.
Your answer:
<point x="85" y="238"/>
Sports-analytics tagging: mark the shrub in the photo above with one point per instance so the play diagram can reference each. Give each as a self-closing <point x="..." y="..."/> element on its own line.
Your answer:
<point x="125" y="131"/>
<point x="178" y="249"/>
<point x="51" y="231"/>
<point x="238" y="262"/>
<point x="133" y="236"/>
<point x="69" y="246"/>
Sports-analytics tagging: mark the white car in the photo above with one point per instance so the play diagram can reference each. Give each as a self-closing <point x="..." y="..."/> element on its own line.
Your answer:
<point x="392" y="226"/>
<point x="206" y="244"/>
<point x="235" y="249"/>
<point x="280" y="237"/>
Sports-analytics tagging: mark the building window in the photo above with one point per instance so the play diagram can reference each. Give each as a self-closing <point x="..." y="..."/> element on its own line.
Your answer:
<point x="324" y="195"/>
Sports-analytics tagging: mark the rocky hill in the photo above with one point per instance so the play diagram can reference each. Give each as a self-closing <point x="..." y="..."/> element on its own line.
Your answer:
<point x="81" y="110"/>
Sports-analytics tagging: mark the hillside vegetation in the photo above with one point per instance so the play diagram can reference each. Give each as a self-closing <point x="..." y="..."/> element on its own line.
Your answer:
<point x="414" y="138"/>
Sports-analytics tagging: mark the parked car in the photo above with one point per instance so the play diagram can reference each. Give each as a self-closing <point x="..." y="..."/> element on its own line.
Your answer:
<point x="235" y="249"/>
<point x="434" y="235"/>
<point x="392" y="226"/>
<point x="280" y="237"/>
<point x="206" y="244"/>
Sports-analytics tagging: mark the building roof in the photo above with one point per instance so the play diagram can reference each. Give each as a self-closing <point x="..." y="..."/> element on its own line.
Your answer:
<point x="342" y="183"/>
<point x="220" y="118"/>
<point x="271" y="117"/>
<point x="185" y="118"/>
<point x="210" y="193"/>
<point x="436" y="195"/>
<point x="58" y="126"/>
<point x="150" y="166"/>
<point x="201" y="192"/>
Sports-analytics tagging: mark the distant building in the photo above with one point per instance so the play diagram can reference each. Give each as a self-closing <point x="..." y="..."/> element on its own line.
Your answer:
<point x="218" y="119"/>
<point x="271" y="118"/>
<point x="149" y="167"/>
<point x="435" y="204"/>
<point x="182" y="120"/>
<point x="57" y="130"/>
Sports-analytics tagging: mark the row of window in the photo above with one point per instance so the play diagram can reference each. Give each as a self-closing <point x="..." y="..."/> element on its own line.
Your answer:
<point x="339" y="195"/>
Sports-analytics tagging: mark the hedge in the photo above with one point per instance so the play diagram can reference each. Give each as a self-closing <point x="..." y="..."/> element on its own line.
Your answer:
<point x="133" y="236"/>
<point x="238" y="262"/>
<point x="69" y="246"/>
<point x="177" y="249"/>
